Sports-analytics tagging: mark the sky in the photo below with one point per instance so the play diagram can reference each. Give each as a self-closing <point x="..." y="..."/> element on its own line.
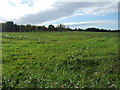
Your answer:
<point x="71" y="13"/>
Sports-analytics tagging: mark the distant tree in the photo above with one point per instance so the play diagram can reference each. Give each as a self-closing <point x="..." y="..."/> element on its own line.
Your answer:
<point x="51" y="28"/>
<point x="16" y="28"/>
<point x="22" y="28"/>
<point x="34" y="28"/>
<point x="75" y="29"/>
<point x="68" y="29"/>
<point x="3" y="27"/>
<point x="0" y="27"/>
<point x="39" y="28"/>
<point x="60" y="27"/>
<point x="9" y="26"/>
<point x="79" y="29"/>
<point x="43" y="28"/>
<point x="93" y="29"/>
<point x="30" y="28"/>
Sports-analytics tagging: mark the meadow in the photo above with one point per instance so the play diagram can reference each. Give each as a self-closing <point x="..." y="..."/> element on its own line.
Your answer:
<point x="60" y="60"/>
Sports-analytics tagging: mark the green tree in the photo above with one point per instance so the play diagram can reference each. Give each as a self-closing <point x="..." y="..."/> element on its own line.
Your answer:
<point x="9" y="26"/>
<point x="51" y="28"/>
<point x="60" y="27"/>
<point x="16" y="28"/>
<point x="43" y="28"/>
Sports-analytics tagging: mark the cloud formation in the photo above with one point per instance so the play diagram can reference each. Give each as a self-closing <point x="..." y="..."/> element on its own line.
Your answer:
<point x="67" y="9"/>
<point x="89" y="23"/>
<point x="44" y="11"/>
<point x="87" y="1"/>
<point x="14" y="9"/>
<point x="60" y="10"/>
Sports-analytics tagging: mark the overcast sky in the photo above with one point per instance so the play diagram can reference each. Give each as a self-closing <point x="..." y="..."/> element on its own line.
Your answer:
<point x="72" y="13"/>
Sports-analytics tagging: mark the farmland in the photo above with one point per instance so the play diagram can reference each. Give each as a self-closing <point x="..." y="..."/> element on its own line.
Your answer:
<point x="60" y="60"/>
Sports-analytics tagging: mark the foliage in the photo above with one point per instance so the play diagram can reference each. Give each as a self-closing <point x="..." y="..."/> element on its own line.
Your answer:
<point x="11" y="27"/>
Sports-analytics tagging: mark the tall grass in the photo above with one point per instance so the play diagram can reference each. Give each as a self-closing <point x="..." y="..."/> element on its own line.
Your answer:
<point x="60" y="60"/>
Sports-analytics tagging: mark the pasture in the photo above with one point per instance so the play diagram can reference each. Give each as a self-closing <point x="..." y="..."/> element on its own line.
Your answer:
<point x="60" y="60"/>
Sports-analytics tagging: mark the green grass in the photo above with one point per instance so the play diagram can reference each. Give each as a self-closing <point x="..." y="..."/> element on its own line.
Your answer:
<point x="60" y="60"/>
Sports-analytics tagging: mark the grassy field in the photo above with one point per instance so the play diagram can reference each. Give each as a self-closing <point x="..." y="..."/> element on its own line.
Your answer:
<point x="60" y="60"/>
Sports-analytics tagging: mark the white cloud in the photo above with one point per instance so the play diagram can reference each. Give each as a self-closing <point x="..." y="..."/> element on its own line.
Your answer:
<point x="90" y="23"/>
<point x="62" y="10"/>
<point x="87" y="1"/>
<point x="98" y="9"/>
<point x="10" y="9"/>
<point x="44" y="11"/>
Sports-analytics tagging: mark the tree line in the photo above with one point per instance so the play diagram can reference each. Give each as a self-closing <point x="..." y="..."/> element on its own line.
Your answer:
<point x="9" y="26"/>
